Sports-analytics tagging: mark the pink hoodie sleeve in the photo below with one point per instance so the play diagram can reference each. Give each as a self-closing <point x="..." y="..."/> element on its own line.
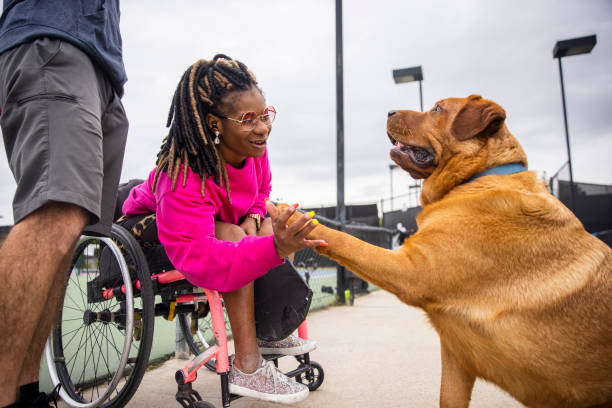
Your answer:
<point x="265" y="178"/>
<point x="186" y="226"/>
<point x="141" y="199"/>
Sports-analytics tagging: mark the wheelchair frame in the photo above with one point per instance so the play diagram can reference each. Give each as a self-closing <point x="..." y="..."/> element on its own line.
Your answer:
<point x="109" y="308"/>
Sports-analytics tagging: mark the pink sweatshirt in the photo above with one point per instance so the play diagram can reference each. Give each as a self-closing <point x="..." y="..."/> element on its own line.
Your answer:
<point x="186" y="224"/>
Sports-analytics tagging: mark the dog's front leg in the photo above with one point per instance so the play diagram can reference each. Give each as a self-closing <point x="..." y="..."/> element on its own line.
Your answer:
<point x="457" y="384"/>
<point x="390" y="270"/>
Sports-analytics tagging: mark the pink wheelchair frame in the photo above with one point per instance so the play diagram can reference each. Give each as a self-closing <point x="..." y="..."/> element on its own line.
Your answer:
<point x="108" y="304"/>
<point x="185" y="376"/>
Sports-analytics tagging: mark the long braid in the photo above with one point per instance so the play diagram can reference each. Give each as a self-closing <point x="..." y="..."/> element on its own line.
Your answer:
<point x="200" y="91"/>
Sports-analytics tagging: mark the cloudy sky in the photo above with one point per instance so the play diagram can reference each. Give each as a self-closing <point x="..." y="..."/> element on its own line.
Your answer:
<point x="499" y="49"/>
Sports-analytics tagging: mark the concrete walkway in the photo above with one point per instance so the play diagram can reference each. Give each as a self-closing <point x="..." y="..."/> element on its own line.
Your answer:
<point x="378" y="353"/>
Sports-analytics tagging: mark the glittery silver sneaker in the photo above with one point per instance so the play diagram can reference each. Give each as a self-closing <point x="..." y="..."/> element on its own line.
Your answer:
<point x="289" y="346"/>
<point x="267" y="384"/>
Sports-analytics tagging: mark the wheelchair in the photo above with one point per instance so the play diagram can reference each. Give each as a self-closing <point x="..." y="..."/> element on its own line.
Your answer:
<point x="100" y="344"/>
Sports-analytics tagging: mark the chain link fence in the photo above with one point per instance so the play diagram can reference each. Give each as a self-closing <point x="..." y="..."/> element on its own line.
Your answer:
<point x="329" y="282"/>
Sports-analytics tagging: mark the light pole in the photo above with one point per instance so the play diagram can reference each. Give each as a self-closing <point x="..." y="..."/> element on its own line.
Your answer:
<point x="409" y="75"/>
<point x="392" y="166"/>
<point x="401" y="76"/>
<point x="566" y="48"/>
<point x="340" y="207"/>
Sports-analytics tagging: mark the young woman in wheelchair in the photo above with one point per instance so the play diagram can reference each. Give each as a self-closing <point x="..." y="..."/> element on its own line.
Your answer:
<point x="209" y="193"/>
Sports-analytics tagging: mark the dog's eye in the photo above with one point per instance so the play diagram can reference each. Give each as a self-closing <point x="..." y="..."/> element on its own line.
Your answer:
<point x="437" y="108"/>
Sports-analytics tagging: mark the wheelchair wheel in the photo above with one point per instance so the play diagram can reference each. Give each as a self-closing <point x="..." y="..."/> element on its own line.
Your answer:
<point x="312" y="378"/>
<point x="200" y="337"/>
<point x="100" y="344"/>
<point x="202" y="404"/>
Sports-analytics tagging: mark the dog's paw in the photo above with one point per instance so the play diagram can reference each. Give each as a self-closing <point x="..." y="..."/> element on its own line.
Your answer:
<point x="282" y="207"/>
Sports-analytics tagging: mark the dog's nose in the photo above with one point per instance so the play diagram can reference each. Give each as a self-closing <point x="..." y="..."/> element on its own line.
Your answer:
<point x="391" y="113"/>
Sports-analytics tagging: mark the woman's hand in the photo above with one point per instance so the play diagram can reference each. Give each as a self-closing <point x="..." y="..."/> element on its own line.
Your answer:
<point x="291" y="238"/>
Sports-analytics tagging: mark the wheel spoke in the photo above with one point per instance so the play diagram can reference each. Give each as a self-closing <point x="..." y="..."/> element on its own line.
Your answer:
<point x="76" y="354"/>
<point x="85" y="358"/>
<point x="69" y="296"/>
<point x="114" y="344"/>
<point x="107" y="330"/>
<point x="76" y="319"/>
<point x="75" y="331"/>
<point x="76" y="278"/>
<point x="95" y="363"/>
<point x="106" y="362"/>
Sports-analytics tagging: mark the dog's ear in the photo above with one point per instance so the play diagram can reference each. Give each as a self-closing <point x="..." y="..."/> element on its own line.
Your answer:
<point x="477" y="117"/>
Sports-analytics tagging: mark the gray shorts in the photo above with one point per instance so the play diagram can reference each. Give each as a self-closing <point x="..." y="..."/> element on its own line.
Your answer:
<point x="64" y="130"/>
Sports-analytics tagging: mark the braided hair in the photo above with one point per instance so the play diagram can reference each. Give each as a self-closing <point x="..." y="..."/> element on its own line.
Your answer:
<point x="201" y="90"/>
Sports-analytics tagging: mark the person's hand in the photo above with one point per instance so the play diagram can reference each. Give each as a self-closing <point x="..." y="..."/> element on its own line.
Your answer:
<point x="249" y="225"/>
<point x="291" y="238"/>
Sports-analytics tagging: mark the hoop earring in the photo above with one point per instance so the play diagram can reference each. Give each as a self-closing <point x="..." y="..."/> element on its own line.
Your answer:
<point x="217" y="141"/>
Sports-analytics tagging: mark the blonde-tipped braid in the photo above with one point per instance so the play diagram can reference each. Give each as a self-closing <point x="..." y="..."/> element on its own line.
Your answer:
<point x="190" y="142"/>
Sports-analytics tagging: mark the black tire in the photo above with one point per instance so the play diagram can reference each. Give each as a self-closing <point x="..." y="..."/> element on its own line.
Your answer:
<point x="196" y="345"/>
<point x="312" y="378"/>
<point x="85" y="319"/>
<point x="201" y="404"/>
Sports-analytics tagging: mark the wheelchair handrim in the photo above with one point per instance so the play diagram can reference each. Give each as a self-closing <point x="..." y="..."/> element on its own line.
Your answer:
<point x="129" y="328"/>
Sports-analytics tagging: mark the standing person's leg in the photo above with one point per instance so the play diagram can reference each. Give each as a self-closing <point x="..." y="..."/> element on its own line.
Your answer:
<point x="114" y="132"/>
<point x="33" y="274"/>
<point x="240" y="305"/>
<point x="54" y="102"/>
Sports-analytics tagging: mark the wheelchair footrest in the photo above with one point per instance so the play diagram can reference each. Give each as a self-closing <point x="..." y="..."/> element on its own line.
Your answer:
<point x="186" y="395"/>
<point x="302" y="368"/>
<point x="303" y="359"/>
<point x="272" y="357"/>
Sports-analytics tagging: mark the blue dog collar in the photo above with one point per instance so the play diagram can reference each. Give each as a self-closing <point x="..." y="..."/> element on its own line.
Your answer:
<point x="499" y="170"/>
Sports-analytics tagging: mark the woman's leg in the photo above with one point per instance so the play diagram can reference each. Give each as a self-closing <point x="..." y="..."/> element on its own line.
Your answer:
<point x="240" y="306"/>
<point x="266" y="227"/>
<point x="250" y="376"/>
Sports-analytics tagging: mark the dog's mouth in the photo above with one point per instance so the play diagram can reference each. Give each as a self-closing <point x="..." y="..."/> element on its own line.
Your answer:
<point x="419" y="155"/>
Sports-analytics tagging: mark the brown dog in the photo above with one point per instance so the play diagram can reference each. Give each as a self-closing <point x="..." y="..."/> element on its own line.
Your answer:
<point x="519" y="293"/>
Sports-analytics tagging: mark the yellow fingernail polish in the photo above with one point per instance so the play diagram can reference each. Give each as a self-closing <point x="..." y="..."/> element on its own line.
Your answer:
<point x="311" y="214"/>
<point x="315" y="222"/>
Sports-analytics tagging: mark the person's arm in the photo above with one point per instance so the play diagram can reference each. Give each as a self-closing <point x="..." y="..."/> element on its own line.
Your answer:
<point x="186" y="226"/>
<point x="140" y="200"/>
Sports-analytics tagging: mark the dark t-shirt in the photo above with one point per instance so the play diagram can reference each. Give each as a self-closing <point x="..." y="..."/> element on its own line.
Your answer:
<point x="91" y="25"/>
